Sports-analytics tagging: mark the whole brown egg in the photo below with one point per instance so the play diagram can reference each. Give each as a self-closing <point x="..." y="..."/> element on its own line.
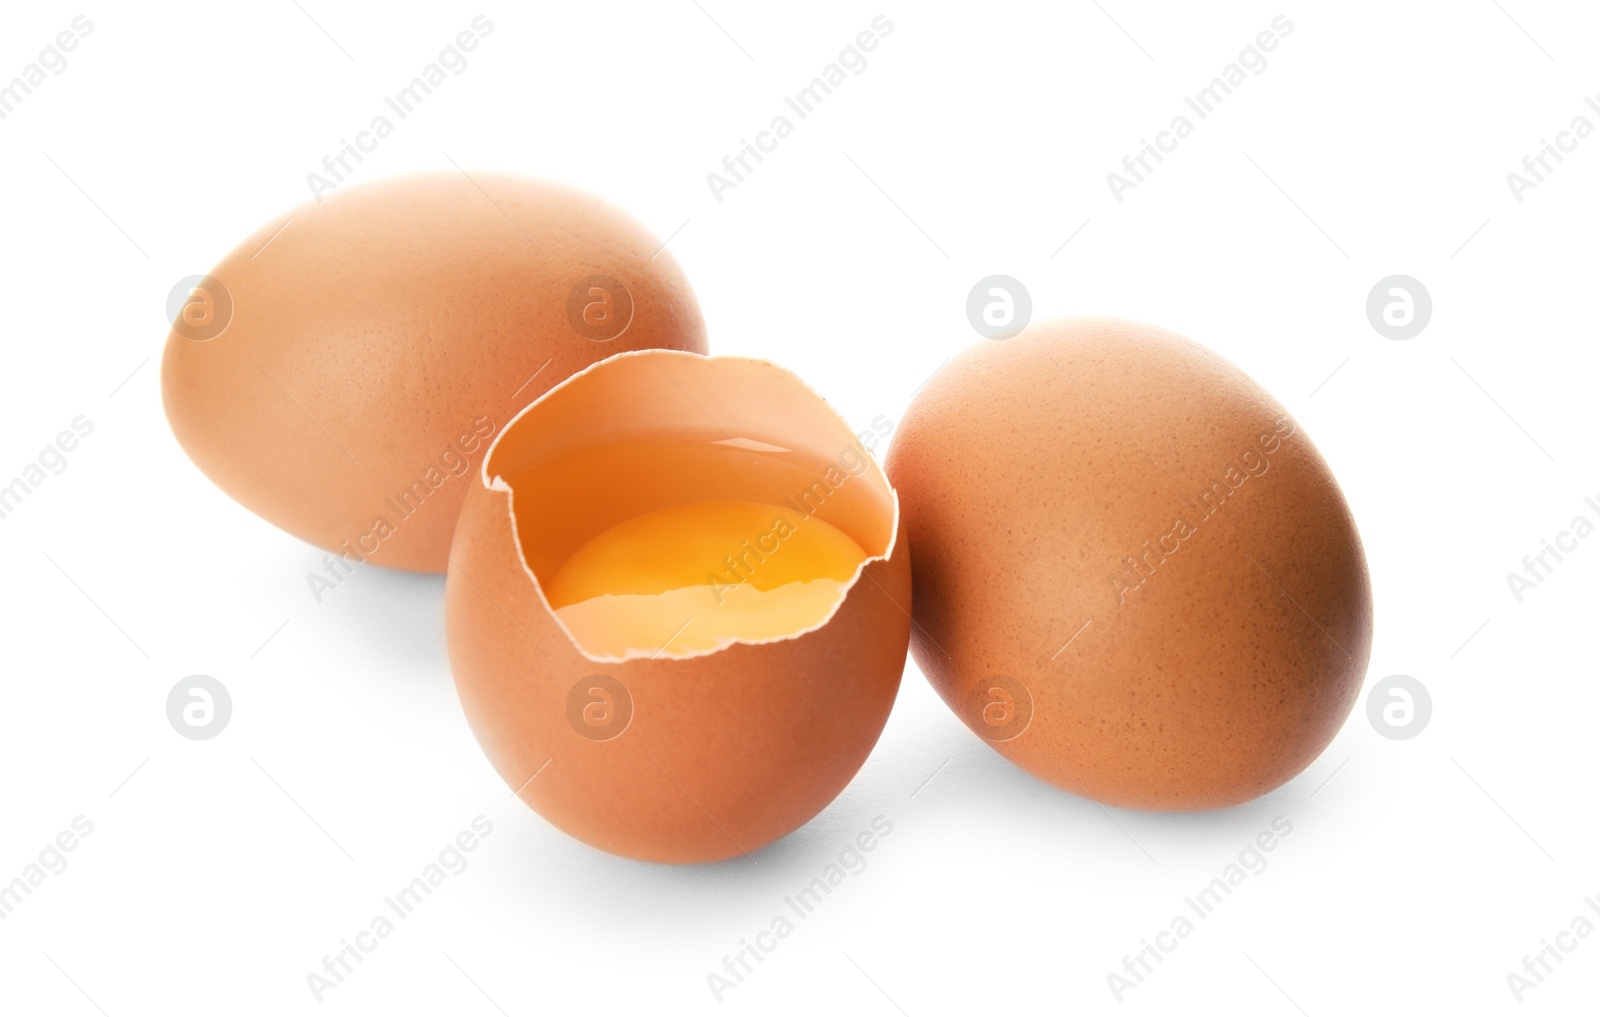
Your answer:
<point x="1133" y="574"/>
<point x="342" y="371"/>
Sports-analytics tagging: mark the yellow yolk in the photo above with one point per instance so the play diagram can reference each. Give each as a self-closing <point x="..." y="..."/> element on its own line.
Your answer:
<point x="697" y="577"/>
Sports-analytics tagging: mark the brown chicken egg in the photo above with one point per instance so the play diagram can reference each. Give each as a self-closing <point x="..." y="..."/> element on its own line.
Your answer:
<point x="343" y="370"/>
<point x="1134" y="575"/>
<point x="678" y="605"/>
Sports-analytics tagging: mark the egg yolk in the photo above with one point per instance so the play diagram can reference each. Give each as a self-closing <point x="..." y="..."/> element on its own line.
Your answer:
<point x="696" y="577"/>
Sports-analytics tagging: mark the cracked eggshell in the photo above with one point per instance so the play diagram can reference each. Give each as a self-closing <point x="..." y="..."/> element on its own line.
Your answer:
<point x="1134" y="574"/>
<point x="720" y="753"/>
<point x="341" y="372"/>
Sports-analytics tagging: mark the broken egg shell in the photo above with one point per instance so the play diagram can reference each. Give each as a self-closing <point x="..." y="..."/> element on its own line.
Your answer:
<point x="722" y="752"/>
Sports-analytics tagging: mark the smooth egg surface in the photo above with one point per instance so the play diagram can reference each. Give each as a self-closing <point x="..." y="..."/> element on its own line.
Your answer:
<point x="341" y="372"/>
<point x="1134" y="575"/>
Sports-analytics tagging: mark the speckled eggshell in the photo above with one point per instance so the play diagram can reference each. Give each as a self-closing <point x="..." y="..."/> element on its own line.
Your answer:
<point x="1133" y="573"/>
<point x="380" y="338"/>
<point x="721" y="753"/>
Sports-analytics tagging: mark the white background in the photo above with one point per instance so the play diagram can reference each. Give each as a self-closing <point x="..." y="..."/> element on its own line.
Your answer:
<point x="1377" y="141"/>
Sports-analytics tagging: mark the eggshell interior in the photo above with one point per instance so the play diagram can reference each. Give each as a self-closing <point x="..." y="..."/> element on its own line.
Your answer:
<point x="725" y="751"/>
